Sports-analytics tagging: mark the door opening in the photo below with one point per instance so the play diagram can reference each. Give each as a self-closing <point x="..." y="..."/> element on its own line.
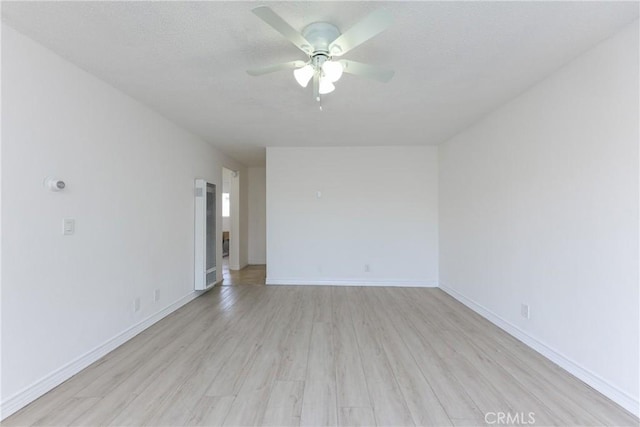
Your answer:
<point x="230" y="219"/>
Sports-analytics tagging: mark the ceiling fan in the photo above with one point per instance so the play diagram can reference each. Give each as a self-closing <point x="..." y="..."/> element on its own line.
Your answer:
<point x="323" y="43"/>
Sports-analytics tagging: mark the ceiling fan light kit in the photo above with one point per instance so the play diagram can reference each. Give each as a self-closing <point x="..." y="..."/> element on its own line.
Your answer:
<point x="304" y="75"/>
<point x="322" y="42"/>
<point x="325" y="87"/>
<point x="332" y="70"/>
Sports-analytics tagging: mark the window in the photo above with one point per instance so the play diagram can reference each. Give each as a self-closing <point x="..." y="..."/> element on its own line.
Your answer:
<point x="225" y="205"/>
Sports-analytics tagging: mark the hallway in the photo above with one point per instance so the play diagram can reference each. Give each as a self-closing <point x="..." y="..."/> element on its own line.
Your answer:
<point x="250" y="275"/>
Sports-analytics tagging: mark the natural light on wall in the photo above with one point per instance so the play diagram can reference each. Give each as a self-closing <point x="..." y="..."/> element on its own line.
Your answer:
<point x="225" y="205"/>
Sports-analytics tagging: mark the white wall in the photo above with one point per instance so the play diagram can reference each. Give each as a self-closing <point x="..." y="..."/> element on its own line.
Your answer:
<point x="130" y="174"/>
<point x="379" y="206"/>
<point x="257" y="202"/>
<point x="539" y="205"/>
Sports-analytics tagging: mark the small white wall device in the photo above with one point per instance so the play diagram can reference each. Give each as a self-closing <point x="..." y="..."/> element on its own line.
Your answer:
<point x="54" y="184"/>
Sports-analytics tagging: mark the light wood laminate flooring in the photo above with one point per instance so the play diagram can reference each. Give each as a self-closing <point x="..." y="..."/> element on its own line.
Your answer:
<point x="322" y="356"/>
<point x="250" y="275"/>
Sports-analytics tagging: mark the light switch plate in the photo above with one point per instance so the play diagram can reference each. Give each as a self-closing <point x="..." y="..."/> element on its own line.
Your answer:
<point x="68" y="226"/>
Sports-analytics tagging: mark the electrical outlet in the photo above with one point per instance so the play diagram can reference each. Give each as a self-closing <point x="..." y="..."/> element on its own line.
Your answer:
<point x="367" y="268"/>
<point x="136" y="304"/>
<point x="524" y="311"/>
<point x="156" y="295"/>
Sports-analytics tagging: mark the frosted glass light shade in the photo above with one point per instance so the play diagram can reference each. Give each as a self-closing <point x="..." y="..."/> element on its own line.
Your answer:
<point x="325" y="86"/>
<point x="303" y="75"/>
<point x="332" y="70"/>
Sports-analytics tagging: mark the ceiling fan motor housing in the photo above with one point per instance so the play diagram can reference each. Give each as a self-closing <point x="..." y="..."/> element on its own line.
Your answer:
<point x="320" y="35"/>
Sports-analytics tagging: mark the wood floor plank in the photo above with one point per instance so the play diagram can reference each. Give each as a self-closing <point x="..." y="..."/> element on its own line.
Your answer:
<point x="321" y="364"/>
<point x="424" y="405"/>
<point x="45" y="406"/>
<point x="201" y="370"/>
<point x="485" y="394"/>
<point x="451" y="393"/>
<point x="118" y="401"/>
<point x="319" y="404"/>
<point x="210" y="411"/>
<point x="165" y="384"/>
<point x="464" y="422"/>
<point x="350" y="378"/>
<point x="321" y="298"/>
<point x="304" y="355"/>
<point x="245" y="341"/>
<point x="511" y="391"/>
<point x="356" y="417"/>
<point x="248" y="409"/>
<point x="285" y="404"/>
<point x="295" y="348"/>
<point x="117" y="367"/>
<point x="116" y="405"/>
<point x="252" y="397"/>
<point x="69" y="412"/>
<point x="389" y="405"/>
<point x="319" y="398"/>
<point x="105" y="410"/>
<point x="206" y="367"/>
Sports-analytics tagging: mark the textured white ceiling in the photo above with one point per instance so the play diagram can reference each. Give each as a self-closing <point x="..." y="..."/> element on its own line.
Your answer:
<point x="454" y="62"/>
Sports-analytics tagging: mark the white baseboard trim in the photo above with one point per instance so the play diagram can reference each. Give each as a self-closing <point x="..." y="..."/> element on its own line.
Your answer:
<point x="57" y="377"/>
<point x="257" y="261"/>
<point x="622" y="398"/>
<point x="236" y="267"/>
<point x="347" y="282"/>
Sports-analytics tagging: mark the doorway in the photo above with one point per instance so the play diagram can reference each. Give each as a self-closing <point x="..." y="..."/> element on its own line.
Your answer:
<point x="230" y="220"/>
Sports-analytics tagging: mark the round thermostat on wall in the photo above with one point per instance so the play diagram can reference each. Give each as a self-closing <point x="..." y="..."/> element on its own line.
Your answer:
<point x="54" y="184"/>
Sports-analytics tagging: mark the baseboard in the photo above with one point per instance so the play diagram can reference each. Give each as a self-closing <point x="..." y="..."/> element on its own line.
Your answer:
<point x="620" y="397"/>
<point x="257" y="261"/>
<point x="357" y="282"/>
<point x="57" y="377"/>
<point x="236" y="267"/>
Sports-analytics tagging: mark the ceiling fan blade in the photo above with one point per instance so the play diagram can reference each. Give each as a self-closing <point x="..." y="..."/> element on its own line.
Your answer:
<point x="280" y="25"/>
<point x="366" y="70"/>
<point x="372" y="25"/>
<point x="276" y="67"/>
